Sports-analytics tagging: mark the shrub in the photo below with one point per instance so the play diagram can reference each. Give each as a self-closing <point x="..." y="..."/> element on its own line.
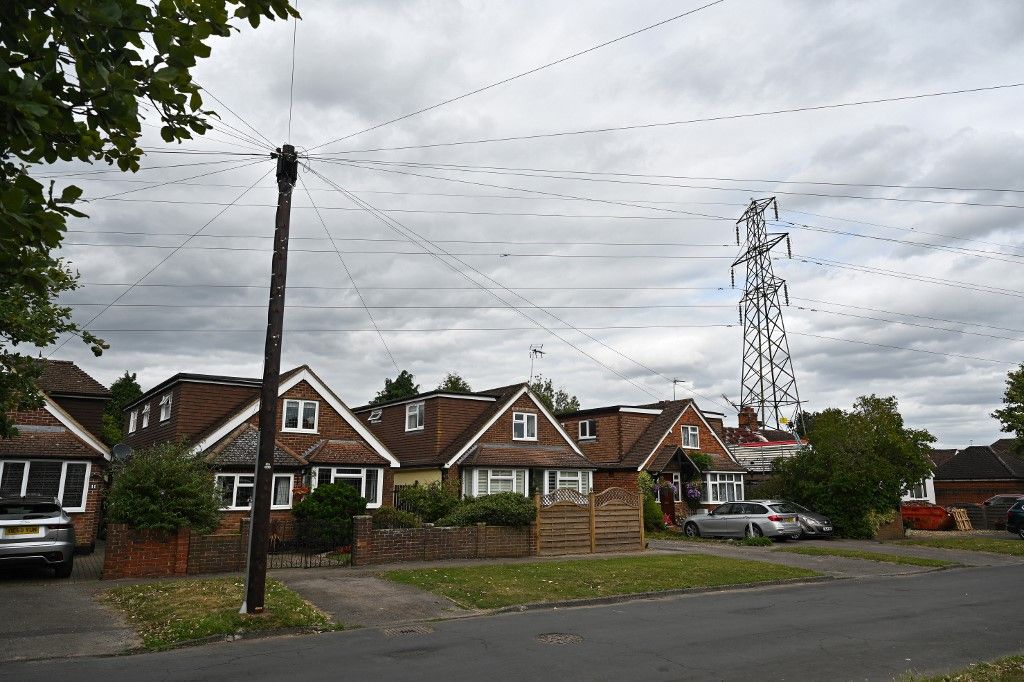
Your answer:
<point x="646" y="484"/>
<point x="389" y="517"/>
<point x="500" y="509"/>
<point x="654" y="519"/>
<point x="430" y="502"/>
<point x="325" y="515"/>
<point x="164" y="488"/>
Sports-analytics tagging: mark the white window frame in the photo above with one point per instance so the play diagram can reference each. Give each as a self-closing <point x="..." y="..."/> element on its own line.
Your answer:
<point x="63" y="477"/>
<point x="489" y="474"/>
<point x="234" y="490"/>
<point x="575" y="476"/>
<point x="339" y="472"/>
<point x="145" y="416"/>
<point x="714" y="482"/>
<point x="591" y="430"/>
<point x="375" y="416"/>
<point x="524" y="418"/>
<point x="418" y="413"/>
<point x="165" y="407"/>
<point x="921" y="486"/>
<point x="133" y="421"/>
<point x="273" y="489"/>
<point x="298" y="421"/>
<point x="692" y="431"/>
<point x="677" y="481"/>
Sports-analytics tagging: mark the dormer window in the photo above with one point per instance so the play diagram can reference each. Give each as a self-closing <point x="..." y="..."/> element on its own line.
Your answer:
<point x="375" y="416"/>
<point x="165" y="407"/>
<point x="691" y="437"/>
<point x="145" y="415"/>
<point x="414" y="414"/>
<point x="301" y="416"/>
<point x="133" y="421"/>
<point x="524" y="426"/>
<point x="588" y="429"/>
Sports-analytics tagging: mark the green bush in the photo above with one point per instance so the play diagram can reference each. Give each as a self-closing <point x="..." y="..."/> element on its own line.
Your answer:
<point x="500" y="509"/>
<point x="654" y="519"/>
<point x="646" y="484"/>
<point x="389" y="517"/>
<point x="430" y="502"/>
<point x="325" y="515"/>
<point x="164" y="488"/>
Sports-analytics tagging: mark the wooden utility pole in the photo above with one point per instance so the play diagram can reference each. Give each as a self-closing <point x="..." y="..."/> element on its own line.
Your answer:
<point x="256" y="569"/>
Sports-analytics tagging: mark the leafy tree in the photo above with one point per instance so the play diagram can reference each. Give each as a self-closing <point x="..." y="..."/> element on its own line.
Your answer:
<point x="402" y="386"/>
<point x="72" y="74"/>
<point x="123" y="392"/>
<point x="1012" y="415"/>
<point x="325" y="515"/>
<point x="857" y="467"/>
<point x="558" y="401"/>
<point x="454" y="383"/>
<point x="164" y="488"/>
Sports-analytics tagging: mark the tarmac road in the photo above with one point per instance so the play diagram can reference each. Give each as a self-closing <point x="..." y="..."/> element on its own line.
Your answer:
<point x="855" y="629"/>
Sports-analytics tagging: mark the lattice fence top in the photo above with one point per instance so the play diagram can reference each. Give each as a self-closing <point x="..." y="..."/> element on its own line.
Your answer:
<point x="564" y="495"/>
<point x="617" y="495"/>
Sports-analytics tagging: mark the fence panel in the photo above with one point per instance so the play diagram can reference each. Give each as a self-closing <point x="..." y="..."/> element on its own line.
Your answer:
<point x="618" y="521"/>
<point x="571" y="523"/>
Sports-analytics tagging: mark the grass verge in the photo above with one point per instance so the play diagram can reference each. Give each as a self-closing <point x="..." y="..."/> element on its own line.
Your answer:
<point x="494" y="586"/>
<point x="1009" y="669"/>
<point x="174" y="611"/>
<point x="672" y="535"/>
<point x="870" y="556"/>
<point x="1012" y="547"/>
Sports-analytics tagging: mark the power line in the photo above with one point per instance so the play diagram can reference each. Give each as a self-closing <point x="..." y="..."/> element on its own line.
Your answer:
<point x="291" y="86"/>
<point x="907" y="324"/>
<point x="519" y="75"/>
<point x="203" y="306"/>
<point x="724" y="117"/>
<point x="76" y="174"/>
<point x="112" y="197"/>
<point x="415" y="288"/>
<point x="906" y="314"/>
<point x="403" y="329"/>
<point x="915" y="350"/>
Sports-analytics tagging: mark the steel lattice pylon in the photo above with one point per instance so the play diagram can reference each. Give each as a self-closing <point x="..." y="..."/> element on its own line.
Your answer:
<point x="767" y="380"/>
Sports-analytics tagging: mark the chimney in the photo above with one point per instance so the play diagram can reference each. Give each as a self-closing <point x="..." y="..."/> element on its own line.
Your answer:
<point x="748" y="422"/>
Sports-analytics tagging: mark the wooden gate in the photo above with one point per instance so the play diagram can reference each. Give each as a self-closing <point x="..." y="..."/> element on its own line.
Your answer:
<point x="571" y="523"/>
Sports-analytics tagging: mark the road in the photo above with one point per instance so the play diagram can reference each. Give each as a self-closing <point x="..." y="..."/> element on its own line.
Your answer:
<point x="867" y="628"/>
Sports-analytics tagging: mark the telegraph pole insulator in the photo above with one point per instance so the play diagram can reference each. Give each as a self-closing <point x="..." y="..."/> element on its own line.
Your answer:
<point x="259" y="527"/>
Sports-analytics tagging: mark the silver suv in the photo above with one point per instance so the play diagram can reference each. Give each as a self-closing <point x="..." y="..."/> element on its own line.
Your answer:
<point x="36" y="531"/>
<point x="747" y="518"/>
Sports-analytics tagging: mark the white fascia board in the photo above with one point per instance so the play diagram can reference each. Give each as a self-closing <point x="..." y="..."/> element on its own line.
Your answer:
<point x="640" y="410"/>
<point x="420" y="399"/>
<point x="554" y="422"/>
<point x="713" y="433"/>
<point x="74" y="427"/>
<point x="252" y="408"/>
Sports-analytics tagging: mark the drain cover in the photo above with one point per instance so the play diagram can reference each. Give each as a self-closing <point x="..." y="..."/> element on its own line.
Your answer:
<point x="405" y="630"/>
<point x="559" y="638"/>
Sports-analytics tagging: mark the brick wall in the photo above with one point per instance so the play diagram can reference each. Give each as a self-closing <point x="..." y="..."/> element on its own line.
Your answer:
<point x="615" y="479"/>
<point x="430" y="543"/>
<point x="87" y="523"/>
<point x="133" y="554"/>
<point x="217" y="553"/>
<point x="953" y="492"/>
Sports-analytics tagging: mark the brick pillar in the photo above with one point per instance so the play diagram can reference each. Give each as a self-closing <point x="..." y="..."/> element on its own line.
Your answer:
<point x="362" y="542"/>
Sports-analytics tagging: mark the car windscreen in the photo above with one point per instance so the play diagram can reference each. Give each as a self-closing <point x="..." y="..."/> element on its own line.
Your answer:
<point x="786" y="508"/>
<point x="23" y="508"/>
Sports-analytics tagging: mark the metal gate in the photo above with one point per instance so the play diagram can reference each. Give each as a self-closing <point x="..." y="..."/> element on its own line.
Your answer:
<point x="309" y="544"/>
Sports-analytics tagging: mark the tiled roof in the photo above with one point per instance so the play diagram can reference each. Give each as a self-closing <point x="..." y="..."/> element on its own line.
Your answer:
<point x="1007" y="446"/>
<point x="981" y="463"/>
<point x="940" y="457"/>
<point x="343" y="452"/>
<point x="54" y="441"/>
<point x="655" y="432"/>
<point x="238" y="448"/>
<point x="522" y="455"/>
<point x="65" y="377"/>
<point x="503" y="395"/>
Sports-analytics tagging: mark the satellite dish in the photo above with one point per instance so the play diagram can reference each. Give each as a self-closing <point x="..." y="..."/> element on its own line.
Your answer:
<point x="122" y="452"/>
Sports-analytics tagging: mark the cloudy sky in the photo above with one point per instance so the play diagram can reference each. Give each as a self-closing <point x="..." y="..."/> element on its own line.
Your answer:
<point x="639" y="264"/>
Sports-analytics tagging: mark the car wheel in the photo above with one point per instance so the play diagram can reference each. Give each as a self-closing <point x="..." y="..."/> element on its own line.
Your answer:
<point x="753" y="531"/>
<point x="64" y="570"/>
<point x="1020" y="532"/>
<point x="691" y="530"/>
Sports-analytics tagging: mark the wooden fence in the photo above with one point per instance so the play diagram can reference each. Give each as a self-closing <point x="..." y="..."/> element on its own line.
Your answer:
<point x="571" y="523"/>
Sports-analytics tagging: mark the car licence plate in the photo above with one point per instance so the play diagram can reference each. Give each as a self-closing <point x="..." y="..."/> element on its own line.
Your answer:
<point x="789" y="520"/>
<point x="826" y="528"/>
<point x="21" y="530"/>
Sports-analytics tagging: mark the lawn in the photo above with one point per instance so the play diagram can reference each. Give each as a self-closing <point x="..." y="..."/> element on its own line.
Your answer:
<point x="1014" y="547"/>
<point x="1009" y="669"/>
<point x="871" y="556"/>
<point x="500" y="585"/>
<point x="173" y="611"/>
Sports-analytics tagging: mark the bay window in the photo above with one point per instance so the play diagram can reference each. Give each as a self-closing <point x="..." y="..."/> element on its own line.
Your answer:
<point x="580" y="481"/>
<point x="524" y="426"/>
<point x="723" y="488"/>
<point x="368" y="482"/>
<point x="66" y="481"/>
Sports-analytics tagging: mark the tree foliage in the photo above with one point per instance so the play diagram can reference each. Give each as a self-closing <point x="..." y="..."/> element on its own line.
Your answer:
<point x="164" y="488"/>
<point x="858" y="465"/>
<point x="124" y="391"/>
<point x="72" y="76"/>
<point x="1011" y="416"/>
<point x="402" y="386"/>
<point x="431" y="502"/>
<point x="559" y="401"/>
<point x="454" y="383"/>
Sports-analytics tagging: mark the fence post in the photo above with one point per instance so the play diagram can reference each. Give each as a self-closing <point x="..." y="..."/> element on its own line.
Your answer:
<point x="593" y="523"/>
<point x="362" y="540"/>
<point x="536" y="532"/>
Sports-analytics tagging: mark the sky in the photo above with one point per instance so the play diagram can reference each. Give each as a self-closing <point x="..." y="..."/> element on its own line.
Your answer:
<point x="624" y="279"/>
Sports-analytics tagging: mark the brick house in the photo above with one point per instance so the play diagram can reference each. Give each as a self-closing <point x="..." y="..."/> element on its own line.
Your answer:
<point x="660" y="438"/>
<point x="499" y="440"/>
<point x="57" y="451"/>
<point x="757" y="448"/>
<point x="318" y="438"/>
<point x="978" y="472"/>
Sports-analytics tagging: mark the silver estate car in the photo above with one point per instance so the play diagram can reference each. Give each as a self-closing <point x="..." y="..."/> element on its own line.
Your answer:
<point x="36" y="531"/>
<point x="744" y="519"/>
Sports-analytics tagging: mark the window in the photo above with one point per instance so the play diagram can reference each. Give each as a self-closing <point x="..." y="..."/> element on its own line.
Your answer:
<point x="918" y="492"/>
<point x="414" y="417"/>
<point x="580" y="481"/>
<point x="524" y="426"/>
<point x="145" y="415"/>
<point x="375" y="416"/>
<point x="588" y="429"/>
<point x="282" y="497"/>
<point x="723" y="488"/>
<point x="369" y="483"/>
<point x="490" y="481"/>
<point x="237" y="491"/>
<point x="67" y="481"/>
<point x="300" y="415"/>
<point x="133" y="421"/>
<point x="165" y="407"/>
<point x="677" y="481"/>
<point x="691" y="438"/>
